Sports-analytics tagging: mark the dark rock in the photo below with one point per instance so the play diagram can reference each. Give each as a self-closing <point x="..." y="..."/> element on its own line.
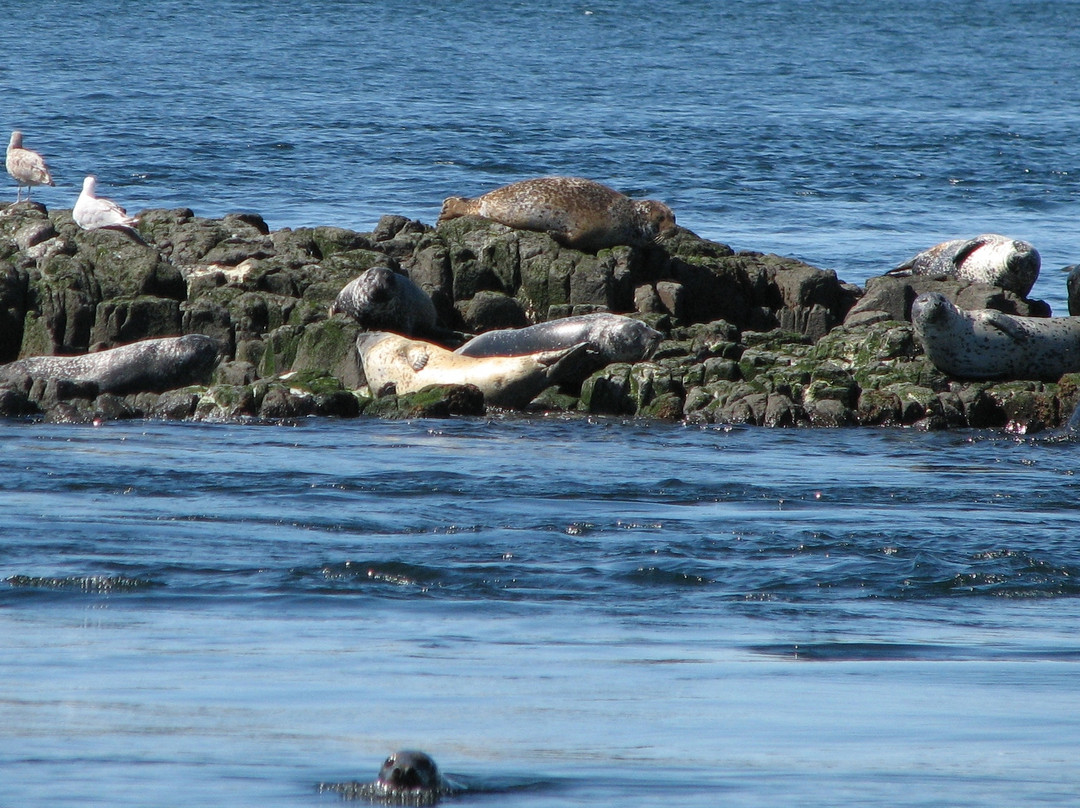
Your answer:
<point x="491" y="310"/>
<point x="15" y="402"/>
<point x="435" y="401"/>
<point x="890" y="298"/>
<point x="120" y="321"/>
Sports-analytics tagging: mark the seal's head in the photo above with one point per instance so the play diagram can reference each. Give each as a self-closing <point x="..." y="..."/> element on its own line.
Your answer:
<point x="623" y="339"/>
<point x="1019" y="262"/>
<point x="655" y="220"/>
<point x="409" y="770"/>
<point x="931" y="308"/>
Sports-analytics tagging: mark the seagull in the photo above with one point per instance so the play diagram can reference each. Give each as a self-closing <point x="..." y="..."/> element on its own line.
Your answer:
<point x="93" y="212"/>
<point x="26" y="166"/>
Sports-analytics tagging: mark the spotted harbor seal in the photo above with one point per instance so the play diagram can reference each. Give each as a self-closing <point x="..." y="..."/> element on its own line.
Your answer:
<point x="989" y="258"/>
<point x="612" y="337"/>
<point x="576" y="212"/>
<point x="26" y="166"/>
<point x="150" y="365"/>
<point x="988" y="344"/>
<point x="407" y="777"/>
<point x="395" y="363"/>
<point x="384" y="300"/>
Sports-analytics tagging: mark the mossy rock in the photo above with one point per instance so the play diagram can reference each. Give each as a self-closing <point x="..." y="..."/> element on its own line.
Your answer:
<point x="280" y="350"/>
<point x="434" y="401"/>
<point x="329" y="347"/>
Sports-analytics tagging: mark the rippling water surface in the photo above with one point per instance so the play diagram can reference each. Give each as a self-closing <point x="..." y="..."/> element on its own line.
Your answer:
<point x="563" y="612"/>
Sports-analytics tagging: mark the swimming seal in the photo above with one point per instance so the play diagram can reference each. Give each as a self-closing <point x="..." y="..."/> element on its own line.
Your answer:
<point x="407" y="777"/>
<point x="576" y="212"/>
<point x="384" y="300"/>
<point x="151" y="365"/>
<point x="611" y="337"/>
<point x="395" y="363"/>
<point x="989" y="258"/>
<point x="988" y="344"/>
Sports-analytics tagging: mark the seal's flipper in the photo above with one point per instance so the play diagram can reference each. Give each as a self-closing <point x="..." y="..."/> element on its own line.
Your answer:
<point x="903" y="270"/>
<point x="962" y="251"/>
<point x="417" y="357"/>
<point x="1006" y="325"/>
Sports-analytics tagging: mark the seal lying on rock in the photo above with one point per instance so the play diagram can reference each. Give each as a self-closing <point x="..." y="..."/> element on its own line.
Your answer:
<point x="987" y="344"/>
<point x="576" y="212"/>
<point x="384" y="300"/>
<point x="151" y="365"/>
<point x="394" y="363"/>
<point x="407" y="777"/>
<point x="612" y="337"/>
<point x="989" y="258"/>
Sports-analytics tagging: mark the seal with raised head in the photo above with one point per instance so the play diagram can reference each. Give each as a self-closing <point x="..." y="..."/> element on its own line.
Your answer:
<point x="576" y="212"/>
<point x="384" y="300"/>
<point x="407" y="777"/>
<point x="150" y="365"/>
<point x="393" y="363"/>
<point x="988" y="258"/>
<point x="611" y="337"/>
<point x="989" y="344"/>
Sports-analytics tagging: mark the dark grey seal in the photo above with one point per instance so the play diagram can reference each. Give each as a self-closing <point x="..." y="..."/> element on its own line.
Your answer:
<point x="988" y="258"/>
<point x="988" y="344"/>
<point x="384" y="300"/>
<point x="1072" y="283"/>
<point x="612" y="337"/>
<point x="407" y="777"/>
<point x="151" y="365"/>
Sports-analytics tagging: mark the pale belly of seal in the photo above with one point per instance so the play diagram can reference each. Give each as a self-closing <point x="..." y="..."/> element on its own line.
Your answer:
<point x="576" y="212"/>
<point x="151" y="365"/>
<point x="395" y="363"/>
<point x="988" y="344"/>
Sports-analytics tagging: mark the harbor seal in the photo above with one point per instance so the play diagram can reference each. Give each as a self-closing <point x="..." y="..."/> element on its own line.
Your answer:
<point x="988" y="344"/>
<point x="988" y="258"/>
<point x="407" y="777"/>
<point x="384" y="300"/>
<point x="394" y="363"/>
<point x="150" y="365"/>
<point x="611" y="337"/>
<point x="1072" y="283"/>
<point x="26" y="166"/>
<point x="576" y="212"/>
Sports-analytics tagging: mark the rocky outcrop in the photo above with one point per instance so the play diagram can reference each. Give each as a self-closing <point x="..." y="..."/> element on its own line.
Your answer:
<point x="751" y="338"/>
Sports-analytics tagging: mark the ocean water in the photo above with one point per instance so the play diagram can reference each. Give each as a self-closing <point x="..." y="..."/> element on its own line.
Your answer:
<point x="562" y="611"/>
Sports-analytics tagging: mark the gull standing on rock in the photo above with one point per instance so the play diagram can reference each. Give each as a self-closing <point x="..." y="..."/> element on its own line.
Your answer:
<point x="93" y="212"/>
<point x="26" y="166"/>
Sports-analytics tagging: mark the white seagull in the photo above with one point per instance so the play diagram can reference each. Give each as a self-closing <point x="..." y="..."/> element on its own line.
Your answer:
<point x="26" y="166"/>
<point x="93" y="212"/>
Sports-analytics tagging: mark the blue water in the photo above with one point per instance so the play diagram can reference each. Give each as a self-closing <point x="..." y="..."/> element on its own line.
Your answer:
<point x="570" y="612"/>
<point x="562" y="612"/>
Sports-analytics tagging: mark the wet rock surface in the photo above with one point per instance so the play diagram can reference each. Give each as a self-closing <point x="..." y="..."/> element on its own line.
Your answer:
<point x="749" y="337"/>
